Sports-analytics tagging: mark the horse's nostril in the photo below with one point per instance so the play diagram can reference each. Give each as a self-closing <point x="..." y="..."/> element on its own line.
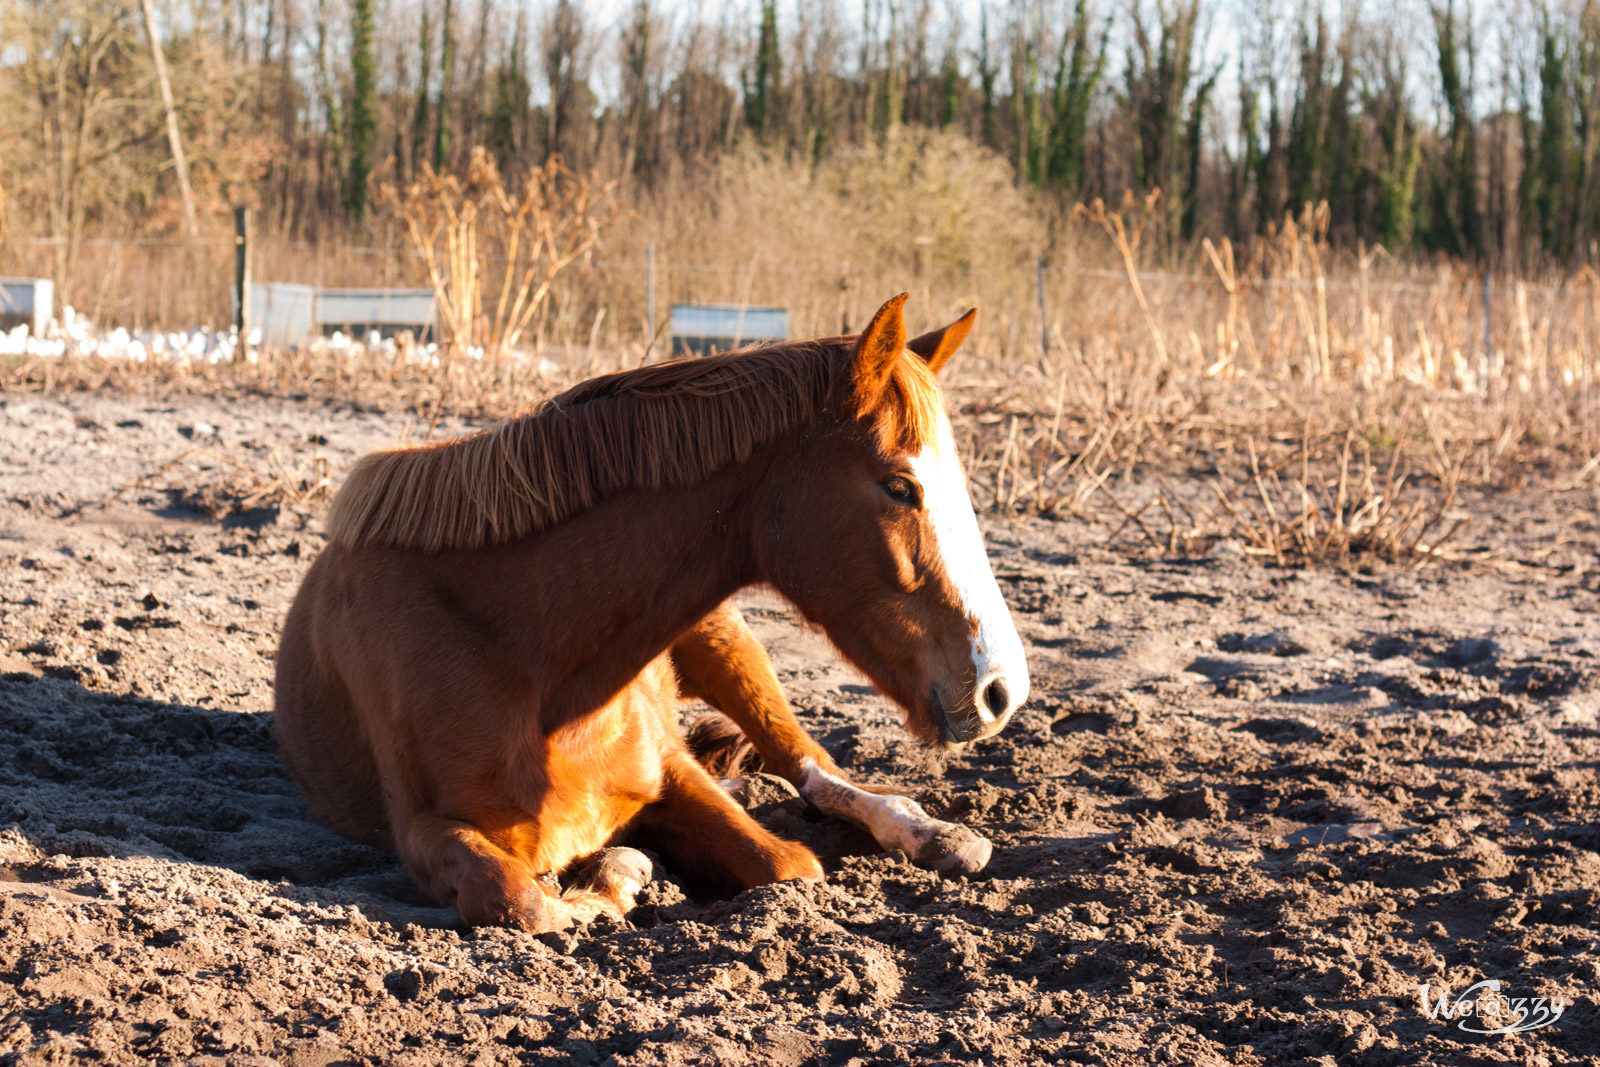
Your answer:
<point x="996" y="698"/>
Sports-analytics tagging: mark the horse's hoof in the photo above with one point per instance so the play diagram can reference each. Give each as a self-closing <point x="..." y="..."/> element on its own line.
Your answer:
<point x="621" y="873"/>
<point x="955" y="850"/>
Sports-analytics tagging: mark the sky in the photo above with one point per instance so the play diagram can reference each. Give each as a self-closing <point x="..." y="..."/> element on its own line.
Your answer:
<point x="1500" y="27"/>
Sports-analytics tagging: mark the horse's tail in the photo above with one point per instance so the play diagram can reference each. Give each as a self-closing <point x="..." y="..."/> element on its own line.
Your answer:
<point x="720" y="746"/>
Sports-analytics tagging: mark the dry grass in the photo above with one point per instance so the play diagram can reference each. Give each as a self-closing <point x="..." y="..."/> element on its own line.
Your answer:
<point x="224" y="485"/>
<point x="1365" y="511"/>
<point x="1293" y="402"/>
<point x="1291" y="474"/>
<point x="230" y="483"/>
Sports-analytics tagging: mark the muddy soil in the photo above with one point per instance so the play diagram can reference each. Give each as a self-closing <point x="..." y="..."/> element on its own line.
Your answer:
<point x="1248" y="812"/>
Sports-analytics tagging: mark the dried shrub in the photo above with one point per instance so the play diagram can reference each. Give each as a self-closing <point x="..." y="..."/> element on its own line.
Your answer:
<point x="493" y="252"/>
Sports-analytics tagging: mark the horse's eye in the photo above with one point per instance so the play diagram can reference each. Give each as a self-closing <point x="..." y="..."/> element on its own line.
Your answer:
<point x="903" y="491"/>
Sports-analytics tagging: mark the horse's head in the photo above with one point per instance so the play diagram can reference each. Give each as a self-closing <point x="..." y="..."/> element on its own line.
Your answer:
<point x="874" y="539"/>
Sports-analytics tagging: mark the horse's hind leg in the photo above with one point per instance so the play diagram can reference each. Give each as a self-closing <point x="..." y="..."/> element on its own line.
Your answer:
<point x="320" y="741"/>
<point x="457" y="864"/>
<point x="607" y="883"/>
<point x="701" y="829"/>
<point x="721" y="662"/>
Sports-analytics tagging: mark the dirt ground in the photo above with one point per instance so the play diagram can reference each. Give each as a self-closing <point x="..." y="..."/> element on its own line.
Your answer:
<point x="1248" y="812"/>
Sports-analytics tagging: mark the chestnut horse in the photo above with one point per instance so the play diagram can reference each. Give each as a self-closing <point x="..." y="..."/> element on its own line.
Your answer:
<point x="482" y="670"/>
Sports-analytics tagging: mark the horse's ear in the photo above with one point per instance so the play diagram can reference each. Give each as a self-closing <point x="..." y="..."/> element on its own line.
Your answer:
<point x="937" y="346"/>
<point x="876" y="350"/>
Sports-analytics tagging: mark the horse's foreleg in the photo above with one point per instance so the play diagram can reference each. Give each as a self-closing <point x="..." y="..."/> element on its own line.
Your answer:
<point x="456" y="864"/>
<point x="721" y="662"/>
<point x="700" y="828"/>
<point x="898" y="822"/>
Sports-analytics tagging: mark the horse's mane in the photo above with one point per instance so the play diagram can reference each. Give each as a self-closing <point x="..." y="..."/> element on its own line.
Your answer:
<point x="671" y="424"/>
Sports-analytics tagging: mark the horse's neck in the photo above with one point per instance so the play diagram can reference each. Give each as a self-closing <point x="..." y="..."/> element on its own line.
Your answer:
<point x="586" y="605"/>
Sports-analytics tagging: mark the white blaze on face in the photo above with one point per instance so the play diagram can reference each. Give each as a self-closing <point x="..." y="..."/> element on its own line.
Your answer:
<point x="996" y="648"/>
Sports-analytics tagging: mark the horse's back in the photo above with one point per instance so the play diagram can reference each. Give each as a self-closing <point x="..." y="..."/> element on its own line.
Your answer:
<point x="320" y="737"/>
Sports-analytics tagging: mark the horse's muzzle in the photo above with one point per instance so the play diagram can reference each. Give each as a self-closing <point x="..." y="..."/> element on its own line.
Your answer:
<point x="983" y="716"/>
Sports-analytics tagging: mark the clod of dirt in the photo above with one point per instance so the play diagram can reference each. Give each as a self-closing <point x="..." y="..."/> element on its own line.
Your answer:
<point x="759" y="792"/>
<point x="1272" y="643"/>
<point x="1202" y="803"/>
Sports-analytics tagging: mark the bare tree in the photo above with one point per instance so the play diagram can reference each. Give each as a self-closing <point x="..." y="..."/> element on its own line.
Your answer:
<point x="180" y="165"/>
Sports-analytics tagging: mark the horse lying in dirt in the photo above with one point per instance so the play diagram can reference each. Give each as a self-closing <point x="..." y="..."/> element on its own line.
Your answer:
<point x="482" y="671"/>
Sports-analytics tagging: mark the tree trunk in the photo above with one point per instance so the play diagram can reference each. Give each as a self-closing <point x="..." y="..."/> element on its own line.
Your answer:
<point x="191" y="220"/>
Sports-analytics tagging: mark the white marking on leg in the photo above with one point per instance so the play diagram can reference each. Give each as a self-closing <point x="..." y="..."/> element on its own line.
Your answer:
<point x="996" y="648"/>
<point x="894" y="822"/>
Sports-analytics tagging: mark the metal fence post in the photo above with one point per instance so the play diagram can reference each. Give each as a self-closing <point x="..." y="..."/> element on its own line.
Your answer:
<point x="241" y="281"/>
<point x="1044" y="328"/>
<point x="649" y="294"/>
<point x="1488" y="362"/>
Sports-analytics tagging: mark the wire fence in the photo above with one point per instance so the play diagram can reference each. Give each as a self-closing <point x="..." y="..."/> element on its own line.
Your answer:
<point x="1202" y="278"/>
<point x="1437" y="323"/>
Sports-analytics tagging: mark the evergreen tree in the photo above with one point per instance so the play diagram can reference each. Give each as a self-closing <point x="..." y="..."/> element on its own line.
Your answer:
<point x="447" y="66"/>
<point x="363" y="111"/>
<point x="949" y="89"/>
<point x="1078" y="71"/>
<point x="1586" y="126"/>
<point x="1308" y="118"/>
<point x="988" y="79"/>
<point x="1395" y="214"/>
<point x="1025" y="109"/>
<point x="892" y="98"/>
<point x="766" y="76"/>
<point x="511" y="91"/>
<point x="1456" y="223"/>
<point x="563" y="40"/>
<point x="419" y="116"/>
<point x="1166" y="107"/>
<point x="637" y="46"/>
<point x="331" y="115"/>
<point x="1249" y="166"/>
<point x="1547" y="182"/>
